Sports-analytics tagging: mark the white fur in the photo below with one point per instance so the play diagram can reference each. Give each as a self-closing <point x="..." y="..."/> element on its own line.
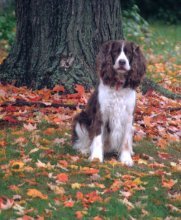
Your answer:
<point x="117" y="107"/>
<point x="125" y="158"/>
<point x="97" y="148"/>
<point x="122" y="56"/>
<point x="82" y="143"/>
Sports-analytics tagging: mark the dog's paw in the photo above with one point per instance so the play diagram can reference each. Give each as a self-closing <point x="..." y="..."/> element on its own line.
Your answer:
<point x="96" y="149"/>
<point x="126" y="159"/>
<point x="96" y="157"/>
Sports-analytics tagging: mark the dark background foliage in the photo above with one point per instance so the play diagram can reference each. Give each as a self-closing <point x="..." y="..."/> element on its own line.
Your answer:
<point x="135" y="13"/>
<point x="163" y="10"/>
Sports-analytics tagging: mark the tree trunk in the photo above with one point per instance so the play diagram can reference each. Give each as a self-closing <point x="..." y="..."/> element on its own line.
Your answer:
<point x="57" y="41"/>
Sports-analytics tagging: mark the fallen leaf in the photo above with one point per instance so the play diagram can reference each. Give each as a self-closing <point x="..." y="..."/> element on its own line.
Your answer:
<point x="25" y="217"/>
<point x="30" y="127"/>
<point x="34" y="193"/>
<point x="14" y="188"/>
<point x="80" y="89"/>
<point x="126" y="194"/>
<point x="6" y="203"/>
<point x="80" y="214"/>
<point x="17" y="166"/>
<point x="79" y="195"/>
<point x="97" y="218"/>
<point x="175" y="167"/>
<point x="76" y="185"/>
<point x="168" y="183"/>
<point x="141" y="161"/>
<point x="89" y="170"/>
<point x="164" y="155"/>
<point x="162" y="143"/>
<point x="128" y="204"/>
<point x="62" y="177"/>
<point x="69" y="203"/>
<point x="48" y="166"/>
<point x="147" y="120"/>
<point x="156" y="165"/>
<point x="173" y="208"/>
<point x="56" y="189"/>
<point x="58" y="88"/>
<point x="138" y="181"/>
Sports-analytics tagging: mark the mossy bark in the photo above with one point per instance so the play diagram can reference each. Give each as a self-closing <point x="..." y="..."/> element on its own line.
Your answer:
<point x="57" y="41"/>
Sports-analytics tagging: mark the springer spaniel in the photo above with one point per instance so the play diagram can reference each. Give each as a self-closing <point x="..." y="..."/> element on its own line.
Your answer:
<point x="106" y="125"/>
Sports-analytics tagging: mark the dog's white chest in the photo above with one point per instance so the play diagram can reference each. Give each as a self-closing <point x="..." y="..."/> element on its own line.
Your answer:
<point x="117" y="108"/>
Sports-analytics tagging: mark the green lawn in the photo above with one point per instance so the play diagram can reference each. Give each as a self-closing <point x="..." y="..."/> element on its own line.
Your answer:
<point x="110" y="190"/>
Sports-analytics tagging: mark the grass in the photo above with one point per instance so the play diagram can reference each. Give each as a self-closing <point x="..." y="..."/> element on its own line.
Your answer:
<point x="166" y="39"/>
<point x="161" y="40"/>
<point x="149" y="199"/>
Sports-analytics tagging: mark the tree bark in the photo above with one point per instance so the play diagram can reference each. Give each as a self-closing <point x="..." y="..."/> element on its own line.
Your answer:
<point x="57" y="41"/>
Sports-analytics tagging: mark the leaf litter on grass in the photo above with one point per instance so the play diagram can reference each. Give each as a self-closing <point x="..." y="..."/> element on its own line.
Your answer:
<point x="42" y="177"/>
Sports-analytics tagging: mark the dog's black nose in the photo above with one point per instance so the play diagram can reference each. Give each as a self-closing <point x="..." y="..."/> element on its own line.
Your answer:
<point x="122" y="62"/>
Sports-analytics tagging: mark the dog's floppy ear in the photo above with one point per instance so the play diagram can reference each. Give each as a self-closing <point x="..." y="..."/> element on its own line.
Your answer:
<point x="104" y="65"/>
<point x="138" y="66"/>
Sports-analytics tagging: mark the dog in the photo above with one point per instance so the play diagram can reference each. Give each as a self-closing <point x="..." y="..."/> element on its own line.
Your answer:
<point x="106" y="124"/>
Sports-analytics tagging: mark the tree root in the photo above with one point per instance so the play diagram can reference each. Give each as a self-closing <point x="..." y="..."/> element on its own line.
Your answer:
<point x="148" y="84"/>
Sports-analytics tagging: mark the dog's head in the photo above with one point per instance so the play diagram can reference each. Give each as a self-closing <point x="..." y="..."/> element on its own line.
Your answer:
<point x="120" y="63"/>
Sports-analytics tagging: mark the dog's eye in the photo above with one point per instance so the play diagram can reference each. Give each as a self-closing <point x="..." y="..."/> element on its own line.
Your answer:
<point x="116" y="51"/>
<point x="125" y="50"/>
<point x="119" y="50"/>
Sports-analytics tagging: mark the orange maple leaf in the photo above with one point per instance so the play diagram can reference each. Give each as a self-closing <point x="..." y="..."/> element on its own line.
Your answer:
<point x="62" y="177"/>
<point x="147" y="121"/>
<point x="69" y="203"/>
<point x="162" y="143"/>
<point x="89" y="170"/>
<point x="79" y="215"/>
<point x="79" y="195"/>
<point x="80" y="89"/>
<point x="34" y="193"/>
<point x="168" y="183"/>
<point x="59" y="88"/>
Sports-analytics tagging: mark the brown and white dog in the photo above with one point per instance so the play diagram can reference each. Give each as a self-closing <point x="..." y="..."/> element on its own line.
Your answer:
<point x="106" y="125"/>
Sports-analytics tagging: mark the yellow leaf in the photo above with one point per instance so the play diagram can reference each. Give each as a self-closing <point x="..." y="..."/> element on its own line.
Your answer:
<point x="17" y="166"/>
<point x="76" y="185"/>
<point x="138" y="181"/>
<point x="141" y="161"/>
<point x="75" y="167"/>
<point x="34" y="193"/>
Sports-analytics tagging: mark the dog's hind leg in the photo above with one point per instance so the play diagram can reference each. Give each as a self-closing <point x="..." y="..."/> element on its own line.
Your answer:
<point x="82" y="140"/>
<point x="80" y="136"/>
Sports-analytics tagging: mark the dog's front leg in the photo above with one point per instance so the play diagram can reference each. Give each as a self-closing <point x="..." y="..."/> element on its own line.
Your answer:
<point x="126" y="148"/>
<point x="96" y="148"/>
